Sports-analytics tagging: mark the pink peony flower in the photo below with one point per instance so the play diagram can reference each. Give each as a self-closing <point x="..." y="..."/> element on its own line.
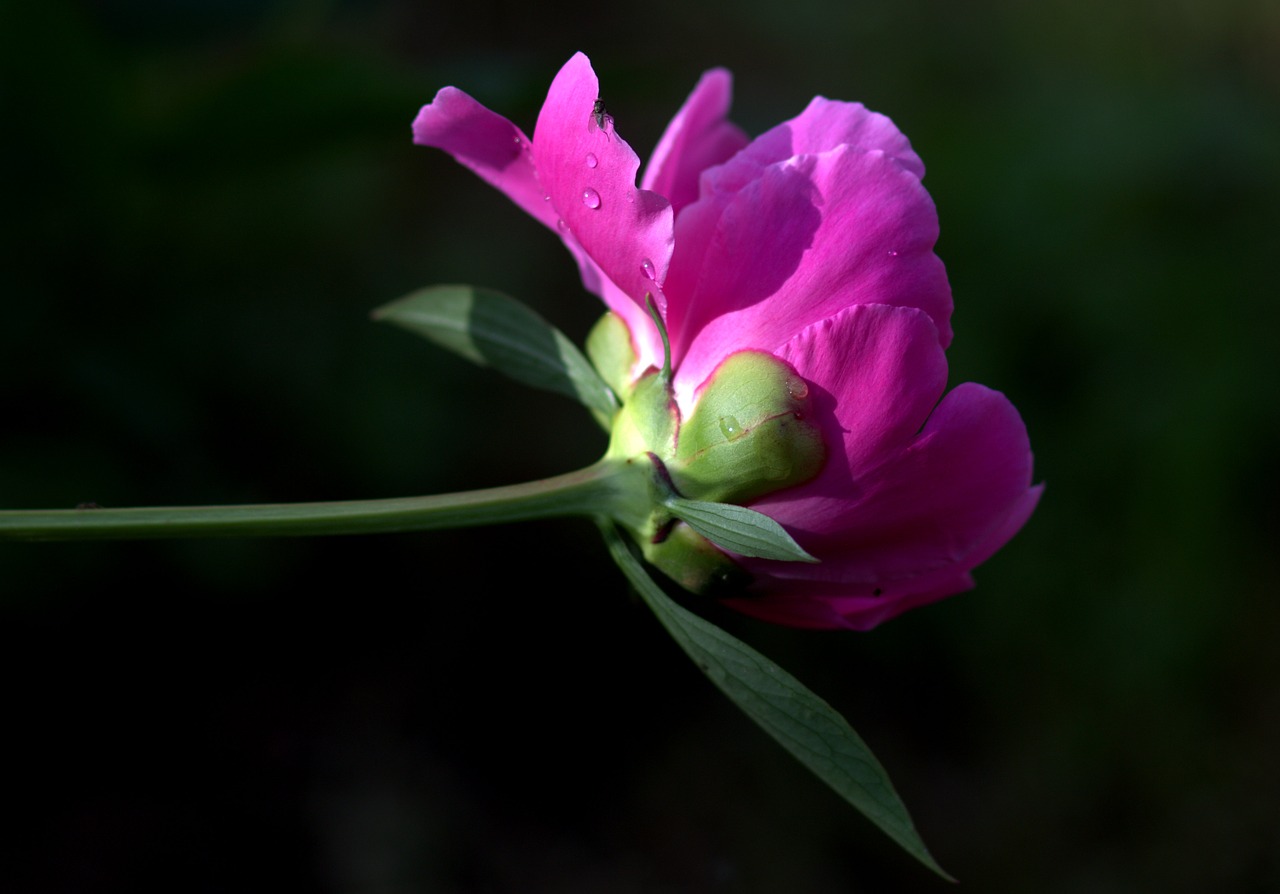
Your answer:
<point x="814" y="243"/>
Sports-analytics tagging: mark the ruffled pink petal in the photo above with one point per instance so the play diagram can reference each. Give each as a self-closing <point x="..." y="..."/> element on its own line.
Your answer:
<point x="590" y="174"/>
<point x="922" y="516"/>
<point x="861" y="605"/>
<point x="698" y="137"/>
<point x="807" y="238"/>
<point x="822" y="126"/>
<point x="875" y="373"/>
<point x="488" y="144"/>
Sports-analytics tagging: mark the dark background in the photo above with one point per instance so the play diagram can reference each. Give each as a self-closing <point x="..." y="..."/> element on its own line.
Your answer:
<point x="202" y="201"/>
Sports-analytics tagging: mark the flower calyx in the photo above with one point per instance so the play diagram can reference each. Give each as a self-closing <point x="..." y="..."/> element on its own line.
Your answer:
<point x="750" y="433"/>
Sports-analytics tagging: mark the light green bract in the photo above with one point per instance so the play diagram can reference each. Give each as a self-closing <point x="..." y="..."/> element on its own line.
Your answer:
<point x="671" y="484"/>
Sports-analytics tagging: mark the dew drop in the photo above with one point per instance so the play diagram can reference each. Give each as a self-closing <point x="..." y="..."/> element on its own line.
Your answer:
<point x="562" y="226"/>
<point x="592" y="161"/>
<point x="647" y="268"/>
<point x="797" y="388"/>
<point x="730" y="427"/>
<point x="892" y="253"/>
<point x="591" y="198"/>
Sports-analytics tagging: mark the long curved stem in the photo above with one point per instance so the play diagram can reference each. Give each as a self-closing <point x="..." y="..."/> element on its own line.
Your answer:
<point x="609" y="488"/>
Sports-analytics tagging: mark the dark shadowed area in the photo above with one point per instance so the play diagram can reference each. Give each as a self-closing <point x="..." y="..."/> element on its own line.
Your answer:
<point x="203" y="202"/>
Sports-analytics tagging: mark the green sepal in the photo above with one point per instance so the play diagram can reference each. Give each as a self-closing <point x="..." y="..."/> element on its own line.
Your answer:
<point x="498" y="331"/>
<point x="805" y="725"/>
<point x="611" y="352"/>
<point x="648" y="421"/>
<point x="749" y="433"/>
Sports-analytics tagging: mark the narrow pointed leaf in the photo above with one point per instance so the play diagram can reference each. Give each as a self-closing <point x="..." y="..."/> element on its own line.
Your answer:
<point x="804" y="724"/>
<point x="498" y="331"/>
<point x="738" y="529"/>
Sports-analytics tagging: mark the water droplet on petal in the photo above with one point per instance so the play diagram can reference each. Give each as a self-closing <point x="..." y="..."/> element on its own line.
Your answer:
<point x="892" y="253"/>
<point x="562" y="226"/>
<point x="591" y="198"/>
<point x="647" y="268"/>
<point x="592" y="161"/>
<point x="797" y="388"/>
<point x="730" y="427"/>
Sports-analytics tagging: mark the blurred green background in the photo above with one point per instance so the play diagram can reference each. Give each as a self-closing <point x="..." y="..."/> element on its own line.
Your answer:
<point x="203" y="200"/>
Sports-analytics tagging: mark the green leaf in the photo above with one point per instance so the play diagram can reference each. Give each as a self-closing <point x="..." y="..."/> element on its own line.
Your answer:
<point x="802" y="723"/>
<point x="495" y="330"/>
<point x="738" y="529"/>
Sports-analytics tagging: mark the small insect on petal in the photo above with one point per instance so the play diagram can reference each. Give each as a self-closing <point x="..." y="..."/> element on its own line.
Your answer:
<point x="600" y="119"/>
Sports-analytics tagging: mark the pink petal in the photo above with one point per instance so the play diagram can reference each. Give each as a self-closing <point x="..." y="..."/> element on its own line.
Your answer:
<point x="875" y="372"/>
<point x="823" y="125"/>
<point x="807" y="238"/>
<point x="488" y="144"/>
<point x="923" y="516"/>
<point x="590" y="174"/>
<point x="698" y="137"/>
<point x="863" y="605"/>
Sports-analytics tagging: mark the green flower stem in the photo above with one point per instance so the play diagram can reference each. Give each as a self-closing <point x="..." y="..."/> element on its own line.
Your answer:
<point x="612" y="488"/>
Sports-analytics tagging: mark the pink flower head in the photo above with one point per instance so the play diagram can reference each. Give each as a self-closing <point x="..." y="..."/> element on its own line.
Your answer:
<point x="814" y="243"/>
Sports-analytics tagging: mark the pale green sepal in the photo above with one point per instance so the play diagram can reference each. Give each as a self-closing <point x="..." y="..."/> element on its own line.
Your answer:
<point x="738" y="529"/>
<point x="611" y="352"/>
<point x="495" y="330"/>
<point x="648" y="421"/>
<point x="750" y="433"/>
<point x="802" y="723"/>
